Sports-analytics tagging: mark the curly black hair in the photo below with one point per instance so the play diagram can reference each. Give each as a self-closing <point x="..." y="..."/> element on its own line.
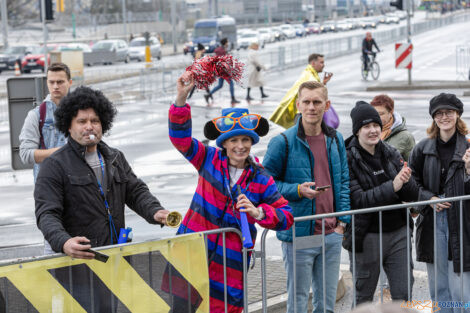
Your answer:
<point x="83" y="98"/>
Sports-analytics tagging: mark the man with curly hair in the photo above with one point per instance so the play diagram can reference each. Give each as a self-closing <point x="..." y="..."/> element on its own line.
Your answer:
<point x="82" y="189"/>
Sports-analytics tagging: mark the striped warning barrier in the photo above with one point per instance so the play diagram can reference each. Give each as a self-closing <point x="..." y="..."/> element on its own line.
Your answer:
<point x="403" y="55"/>
<point x="144" y="277"/>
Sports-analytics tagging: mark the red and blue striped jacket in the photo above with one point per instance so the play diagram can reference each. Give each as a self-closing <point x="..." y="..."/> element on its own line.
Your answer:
<point x="212" y="208"/>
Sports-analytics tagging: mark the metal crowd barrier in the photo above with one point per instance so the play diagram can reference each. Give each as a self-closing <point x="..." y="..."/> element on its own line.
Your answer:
<point x="292" y="54"/>
<point x="353" y="213"/>
<point x="462" y="62"/>
<point x="136" y="276"/>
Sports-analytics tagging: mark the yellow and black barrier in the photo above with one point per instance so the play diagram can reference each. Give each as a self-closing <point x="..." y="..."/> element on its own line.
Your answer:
<point x="155" y="276"/>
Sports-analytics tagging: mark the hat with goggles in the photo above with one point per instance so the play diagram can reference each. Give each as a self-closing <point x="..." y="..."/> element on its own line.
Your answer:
<point x="236" y="122"/>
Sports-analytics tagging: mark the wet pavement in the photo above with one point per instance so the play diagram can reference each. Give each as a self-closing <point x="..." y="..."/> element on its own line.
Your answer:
<point x="140" y="131"/>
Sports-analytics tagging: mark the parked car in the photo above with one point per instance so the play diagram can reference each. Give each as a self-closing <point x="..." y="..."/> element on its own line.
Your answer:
<point x="355" y="23"/>
<point x="278" y="33"/>
<point x="288" y="30"/>
<point x="118" y="46"/>
<point x="249" y="37"/>
<point x="78" y="45"/>
<point x="137" y="48"/>
<point x="35" y="60"/>
<point x="368" y="23"/>
<point x="313" y="28"/>
<point x="392" y="18"/>
<point x="266" y="34"/>
<point x="343" y="26"/>
<point x="299" y="30"/>
<point x="382" y="19"/>
<point x="328" y="26"/>
<point x="12" y="55"/>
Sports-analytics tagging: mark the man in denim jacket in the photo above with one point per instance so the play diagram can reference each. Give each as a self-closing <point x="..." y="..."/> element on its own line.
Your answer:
<point x="32" y="151"/>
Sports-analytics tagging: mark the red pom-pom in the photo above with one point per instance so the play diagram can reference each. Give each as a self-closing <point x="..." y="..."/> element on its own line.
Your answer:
<point x="207" y="69"/>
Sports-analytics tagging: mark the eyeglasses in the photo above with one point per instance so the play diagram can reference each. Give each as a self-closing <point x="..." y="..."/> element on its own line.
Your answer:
<point x="227" y="123"/>
<point x="440" y="114"/>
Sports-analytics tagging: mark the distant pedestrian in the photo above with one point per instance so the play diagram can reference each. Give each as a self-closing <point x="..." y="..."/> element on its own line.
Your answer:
<point x="285" y="113"/>
<point x="394" y="131"/>
<point x="254" y="71"/>
<point x="199" y="54"/>
<point x="222" y="50"/>
<point x="441" y="166"/>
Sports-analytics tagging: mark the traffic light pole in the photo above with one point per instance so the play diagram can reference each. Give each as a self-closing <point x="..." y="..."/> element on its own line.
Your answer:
<point x="44" y="31"/>
<point x="408" y="30"/>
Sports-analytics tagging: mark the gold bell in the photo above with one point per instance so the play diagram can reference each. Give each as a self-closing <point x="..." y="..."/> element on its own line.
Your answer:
<point x="174" y="219"/>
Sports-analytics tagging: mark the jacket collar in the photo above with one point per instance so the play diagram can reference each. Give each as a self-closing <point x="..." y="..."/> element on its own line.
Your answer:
<point x="103" y="148"/>
<point x="430" y="147"/>
<point x="327" y="130"/>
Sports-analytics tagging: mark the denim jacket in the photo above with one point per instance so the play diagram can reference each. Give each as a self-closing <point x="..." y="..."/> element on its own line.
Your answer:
<point x="30" y="135"/>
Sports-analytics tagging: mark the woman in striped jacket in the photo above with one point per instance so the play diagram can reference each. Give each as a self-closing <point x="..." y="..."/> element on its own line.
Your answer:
<point x="216" y="202"/>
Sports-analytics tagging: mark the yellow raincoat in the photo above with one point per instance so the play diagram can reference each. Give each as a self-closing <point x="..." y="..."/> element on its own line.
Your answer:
<point x="287" y="109"/>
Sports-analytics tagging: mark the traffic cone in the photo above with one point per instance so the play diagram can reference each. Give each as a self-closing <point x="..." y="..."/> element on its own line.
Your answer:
<point x="17" y="69"/>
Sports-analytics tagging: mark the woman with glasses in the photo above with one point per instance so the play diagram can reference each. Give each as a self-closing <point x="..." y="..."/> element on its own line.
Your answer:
<point x="441" y="167"/>
<point x="217" y="202"/>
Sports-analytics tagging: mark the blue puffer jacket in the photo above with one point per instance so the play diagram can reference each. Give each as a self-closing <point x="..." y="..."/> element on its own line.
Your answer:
<point x="299" y="169"/>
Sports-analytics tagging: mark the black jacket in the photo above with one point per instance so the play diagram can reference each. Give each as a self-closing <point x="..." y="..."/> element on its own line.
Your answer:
<point x="68" y="201"/>
<point x="426" y="166"/>
<point x="368" y="44"/>
<point x="367" y="192"/>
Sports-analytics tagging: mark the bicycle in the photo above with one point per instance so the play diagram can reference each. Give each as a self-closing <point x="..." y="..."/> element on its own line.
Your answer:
<point x="372" y="67"/>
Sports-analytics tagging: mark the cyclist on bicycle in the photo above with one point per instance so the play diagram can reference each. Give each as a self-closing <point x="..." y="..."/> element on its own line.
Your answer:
<point x="367" y="44"/>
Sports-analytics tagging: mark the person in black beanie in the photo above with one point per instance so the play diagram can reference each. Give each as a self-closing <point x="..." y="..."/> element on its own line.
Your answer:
<point x="441" y="167"/>
<point x="378" y="176"/>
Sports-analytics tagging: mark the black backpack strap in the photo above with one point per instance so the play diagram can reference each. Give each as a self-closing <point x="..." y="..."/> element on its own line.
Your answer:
<point x="42" y="120"/>
<point x="284" y="163"/>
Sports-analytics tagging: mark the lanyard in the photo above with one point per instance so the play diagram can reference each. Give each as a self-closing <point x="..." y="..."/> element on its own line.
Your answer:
<point x="110" y="217"/>
<point x="227" y="185"/>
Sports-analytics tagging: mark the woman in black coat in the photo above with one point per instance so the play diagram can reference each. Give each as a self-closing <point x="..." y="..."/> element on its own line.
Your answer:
<point x="441" y="167"/>
<point x="378" y="177"/>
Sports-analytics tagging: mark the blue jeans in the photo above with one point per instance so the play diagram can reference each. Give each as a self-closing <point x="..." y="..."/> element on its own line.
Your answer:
<point x="448" y="282"/>
<point x="309" y="272"/>
<point x="221" y="83"/>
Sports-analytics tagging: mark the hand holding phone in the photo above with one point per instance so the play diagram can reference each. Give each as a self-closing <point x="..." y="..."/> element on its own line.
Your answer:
<point x="99" y="256"/>
<point x="321" y="188"/>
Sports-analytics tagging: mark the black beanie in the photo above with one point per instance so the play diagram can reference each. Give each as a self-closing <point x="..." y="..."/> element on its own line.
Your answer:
<point x="445" y="101"/>
<point x="362" y="114"/>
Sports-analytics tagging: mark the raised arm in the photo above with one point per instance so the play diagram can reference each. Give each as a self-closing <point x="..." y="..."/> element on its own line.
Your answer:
<point x="179" y="123"/>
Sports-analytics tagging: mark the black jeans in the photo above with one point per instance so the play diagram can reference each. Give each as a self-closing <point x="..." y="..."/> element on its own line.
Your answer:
<point x="394" y="264"/>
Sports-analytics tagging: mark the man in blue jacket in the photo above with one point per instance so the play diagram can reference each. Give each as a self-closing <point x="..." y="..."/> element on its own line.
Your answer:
<point x="309" y="164"/>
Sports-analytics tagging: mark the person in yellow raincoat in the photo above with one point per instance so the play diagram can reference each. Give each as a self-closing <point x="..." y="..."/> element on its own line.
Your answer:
<point x="284" y="114"/>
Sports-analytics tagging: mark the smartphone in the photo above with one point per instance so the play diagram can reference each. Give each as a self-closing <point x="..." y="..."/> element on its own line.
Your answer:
<point x="321" y="188"/>
<point x="98" y="255"/>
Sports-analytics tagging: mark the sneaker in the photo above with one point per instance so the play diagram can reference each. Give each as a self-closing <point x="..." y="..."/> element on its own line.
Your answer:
<point x="264" y="95"/>
<point x="206" y="96"/>
<point x="248" y="98"/>
<point x="235" y="100"/>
